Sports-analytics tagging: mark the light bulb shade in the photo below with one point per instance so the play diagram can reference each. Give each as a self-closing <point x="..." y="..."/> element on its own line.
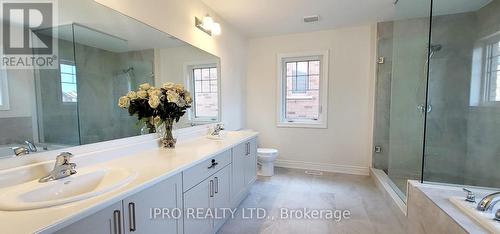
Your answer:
<point x="216" y="29"/>
<point x="207" y="23"/>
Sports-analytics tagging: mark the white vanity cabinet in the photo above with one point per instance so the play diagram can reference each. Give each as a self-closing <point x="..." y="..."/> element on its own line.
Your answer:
<point x="244" y="167"/>
<point x="214" y="185"/>
<point x="157" y="209"/>
<point x="205" y="203"/>
<point x="108" y="220"/>
<point x="135" y="213"/>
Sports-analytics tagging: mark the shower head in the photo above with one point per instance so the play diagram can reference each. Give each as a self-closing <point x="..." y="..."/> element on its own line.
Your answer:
<point x="436" y="47"/>
<point x="128" y="70"/>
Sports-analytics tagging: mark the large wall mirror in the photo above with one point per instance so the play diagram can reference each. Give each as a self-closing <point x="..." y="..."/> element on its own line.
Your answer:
<point x="102" y="55"/>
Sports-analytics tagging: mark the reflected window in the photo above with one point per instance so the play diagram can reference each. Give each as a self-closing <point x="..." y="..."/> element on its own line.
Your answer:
<point x="205" y="92"/>
<point x="493" y="72"/>
<point x="69" y="91"/>
<point x="4" y="91"/>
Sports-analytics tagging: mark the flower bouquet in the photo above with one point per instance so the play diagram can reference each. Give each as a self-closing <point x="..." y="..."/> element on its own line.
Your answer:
<point x="158" y="107"/>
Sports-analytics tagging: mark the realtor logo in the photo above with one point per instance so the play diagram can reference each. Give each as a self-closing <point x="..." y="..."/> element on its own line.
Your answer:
<point x="27" y="34"/>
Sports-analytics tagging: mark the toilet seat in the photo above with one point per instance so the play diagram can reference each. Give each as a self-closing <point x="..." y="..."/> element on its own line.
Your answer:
<point x="266" y="151"/>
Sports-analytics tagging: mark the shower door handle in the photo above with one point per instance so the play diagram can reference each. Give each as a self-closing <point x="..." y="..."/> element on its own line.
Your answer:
<point x="422" y="108"/>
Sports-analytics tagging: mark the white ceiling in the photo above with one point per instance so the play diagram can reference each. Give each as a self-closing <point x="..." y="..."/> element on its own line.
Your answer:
<point x="256" y="18"/>
<point x="117" y="32"/>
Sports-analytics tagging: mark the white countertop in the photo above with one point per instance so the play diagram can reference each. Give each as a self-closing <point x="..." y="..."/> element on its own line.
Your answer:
<point x="153" y="165"/>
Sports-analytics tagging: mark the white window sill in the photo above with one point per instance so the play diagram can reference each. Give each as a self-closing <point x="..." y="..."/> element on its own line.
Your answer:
<point x="301" y="125"/>
<point x="299" y="97"/>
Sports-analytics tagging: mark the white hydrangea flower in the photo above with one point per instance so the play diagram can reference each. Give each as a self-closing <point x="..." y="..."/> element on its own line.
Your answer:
<point x="154" y="101"/>
<point x="142" y="94"/>
<point x="144" y="86"/>
<point x="132" y="95"/>
<point x="154" y="92"/>
<point x="172" y="96"/>
<point x="187" y="96"/>
<point x="179" y="87"/>
<point x="168" y="85"/>
<point x="124" y="102"/>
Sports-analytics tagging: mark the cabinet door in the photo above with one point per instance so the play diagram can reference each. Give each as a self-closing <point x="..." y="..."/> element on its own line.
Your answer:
<point x="222" y="199"/>
<point x="108" y="220"/>
<point x="250" y="169"/>
<point x="198" y="197"/>
<point x="238" y="173"/>
<point x="157" y="209"/>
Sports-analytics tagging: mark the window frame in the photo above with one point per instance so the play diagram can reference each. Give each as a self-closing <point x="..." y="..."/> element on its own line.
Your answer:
<point x="282" y="58"/>
<point x="70" y="63"/>
<point x="191" y="87"/>
<point x="486" y="76"/>
<point x="5" y="105"/>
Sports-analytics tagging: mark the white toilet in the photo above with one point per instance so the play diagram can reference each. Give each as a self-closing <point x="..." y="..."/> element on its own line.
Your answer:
<point x="266" y="158"/>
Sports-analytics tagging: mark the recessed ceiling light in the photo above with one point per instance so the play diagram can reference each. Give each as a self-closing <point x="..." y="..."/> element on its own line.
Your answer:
<point x="311" y="18"/>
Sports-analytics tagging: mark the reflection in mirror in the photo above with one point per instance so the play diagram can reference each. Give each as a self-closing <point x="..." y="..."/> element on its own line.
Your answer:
<point x="102" y="55"/>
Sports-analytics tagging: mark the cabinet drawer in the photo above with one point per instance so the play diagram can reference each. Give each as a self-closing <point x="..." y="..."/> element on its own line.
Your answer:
<point x="203" y="170"/>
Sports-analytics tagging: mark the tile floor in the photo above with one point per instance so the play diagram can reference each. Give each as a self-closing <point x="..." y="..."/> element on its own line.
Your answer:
<point x="293" y="189"/>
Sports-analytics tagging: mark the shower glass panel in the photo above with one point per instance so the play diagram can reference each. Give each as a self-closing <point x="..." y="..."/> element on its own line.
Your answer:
<point x="107" y="69"/>
<point x="56" y="94"/>
<point x="401" y="89"/>
<point x="77" y="103"/>
<point x="463" y="128"/>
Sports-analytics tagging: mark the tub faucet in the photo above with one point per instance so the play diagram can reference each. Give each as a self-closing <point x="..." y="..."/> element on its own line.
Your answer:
<point x="62" y="169"/>
<point x="488" y="202"/>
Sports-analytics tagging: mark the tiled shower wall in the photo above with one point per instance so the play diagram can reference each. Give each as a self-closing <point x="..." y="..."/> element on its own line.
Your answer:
<point x="461" y="139"/>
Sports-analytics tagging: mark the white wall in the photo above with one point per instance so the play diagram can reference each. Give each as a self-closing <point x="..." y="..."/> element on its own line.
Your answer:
<point x="21" y="94"/>
<point x="176" y="17"/>
<point x="171" y="66"/>
<point x="346" y="145"/>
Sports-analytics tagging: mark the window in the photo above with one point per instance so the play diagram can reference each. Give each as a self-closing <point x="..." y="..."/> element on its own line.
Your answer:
<point x="4" y="91"/>
<point x="303" y="84"/>
<point x="492" y="72"/>
<point x="69" y="91"/>
<point x="205" y="92"/>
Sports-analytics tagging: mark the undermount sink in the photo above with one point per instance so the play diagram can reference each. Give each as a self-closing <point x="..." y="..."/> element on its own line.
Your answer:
<point x="85" y="184"/>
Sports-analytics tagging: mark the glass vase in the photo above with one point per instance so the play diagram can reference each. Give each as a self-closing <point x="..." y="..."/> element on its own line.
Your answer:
<point x="167" y="139"/>
<point x="148" y="127"/>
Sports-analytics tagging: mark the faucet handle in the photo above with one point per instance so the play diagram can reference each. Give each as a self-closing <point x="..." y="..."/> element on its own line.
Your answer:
<point x="497" y="215"/>
<point x="63" y="158"/>
<point x="470" y="197"/>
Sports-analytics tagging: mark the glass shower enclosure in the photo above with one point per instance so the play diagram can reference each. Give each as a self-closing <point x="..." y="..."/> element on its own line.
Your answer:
<point x="437" y="108"/>
<point x="77" y="103"/>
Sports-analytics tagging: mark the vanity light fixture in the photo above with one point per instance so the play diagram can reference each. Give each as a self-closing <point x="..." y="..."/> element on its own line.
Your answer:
<point x="208" y="25"/>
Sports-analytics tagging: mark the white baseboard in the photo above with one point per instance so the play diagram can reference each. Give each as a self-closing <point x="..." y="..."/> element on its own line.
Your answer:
<point x="327" y="167"/>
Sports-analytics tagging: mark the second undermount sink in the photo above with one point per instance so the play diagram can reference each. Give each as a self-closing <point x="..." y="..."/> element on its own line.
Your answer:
<point x="85" y="184"/>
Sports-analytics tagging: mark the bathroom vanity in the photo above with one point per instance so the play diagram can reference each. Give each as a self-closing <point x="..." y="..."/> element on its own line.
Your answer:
<point x="198" y="173"/>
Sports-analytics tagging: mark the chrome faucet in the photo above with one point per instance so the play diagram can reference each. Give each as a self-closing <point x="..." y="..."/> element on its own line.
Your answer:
<point x="216" y="131"/>
<point x="488" y="202"/>
<point x="31" y="145"/>
<point x="62" y="169"/>
<point x="22" y="150"/>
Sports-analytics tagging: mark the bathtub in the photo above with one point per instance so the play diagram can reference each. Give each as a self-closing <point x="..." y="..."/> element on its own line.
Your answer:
<point x="6" y="150"/>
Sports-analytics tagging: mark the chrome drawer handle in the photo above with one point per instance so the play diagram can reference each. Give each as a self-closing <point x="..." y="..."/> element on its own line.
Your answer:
<point x="211" y="188"/>
<point x="117" y="222"/>
<point x="131" y="216"/>
<point x="216" y="179"/>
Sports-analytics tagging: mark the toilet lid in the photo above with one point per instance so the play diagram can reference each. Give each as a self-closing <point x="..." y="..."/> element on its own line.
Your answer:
<point x="267" y="151"/>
